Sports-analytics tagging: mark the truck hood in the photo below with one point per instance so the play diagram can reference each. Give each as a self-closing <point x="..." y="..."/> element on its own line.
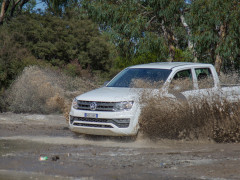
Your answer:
<point x="110" y="94"/>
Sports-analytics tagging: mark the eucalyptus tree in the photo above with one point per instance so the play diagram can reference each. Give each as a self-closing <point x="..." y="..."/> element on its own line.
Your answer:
<point x="138" y="25"/>
<point x="122" y="20"/>
<point x="215" y="26"/>
<point x="165" y="17"/>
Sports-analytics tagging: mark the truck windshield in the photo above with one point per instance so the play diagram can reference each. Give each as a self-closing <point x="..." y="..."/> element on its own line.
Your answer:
<point x="140" y="78"/>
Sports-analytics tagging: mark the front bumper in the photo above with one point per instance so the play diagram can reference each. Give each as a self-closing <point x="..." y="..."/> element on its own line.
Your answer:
<point x="123" y="123"/>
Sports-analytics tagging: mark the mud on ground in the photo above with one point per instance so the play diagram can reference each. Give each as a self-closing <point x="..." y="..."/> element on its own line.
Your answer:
<point x="25" y="137"/>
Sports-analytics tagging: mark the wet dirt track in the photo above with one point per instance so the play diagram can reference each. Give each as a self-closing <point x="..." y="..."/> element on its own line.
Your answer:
<point x="24" y="138"/>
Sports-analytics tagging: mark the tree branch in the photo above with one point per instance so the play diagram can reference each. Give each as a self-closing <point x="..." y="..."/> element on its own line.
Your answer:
<point x="14" y="7"/>
<point x="22" y="4"/>
<point x="149" y="22"/>
<point x="5" y="5"/>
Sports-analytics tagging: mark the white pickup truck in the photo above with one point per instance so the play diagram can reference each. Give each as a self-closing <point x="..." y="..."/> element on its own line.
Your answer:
<point x="114" y="109"/>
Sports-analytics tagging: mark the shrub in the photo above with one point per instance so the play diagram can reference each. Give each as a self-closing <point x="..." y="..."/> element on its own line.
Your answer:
<point x="62" y="40"/>
<point x="39" y="90"/>
<point x="13" y="58"/>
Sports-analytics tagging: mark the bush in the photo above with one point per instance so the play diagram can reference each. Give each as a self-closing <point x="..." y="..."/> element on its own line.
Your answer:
<point x="60" y="41"/>
<point x="13" y="58"/>
<point x="39" y="90"/>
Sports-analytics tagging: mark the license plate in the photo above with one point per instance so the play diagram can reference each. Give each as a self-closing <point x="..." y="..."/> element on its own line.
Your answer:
<point x="91" y="115"/>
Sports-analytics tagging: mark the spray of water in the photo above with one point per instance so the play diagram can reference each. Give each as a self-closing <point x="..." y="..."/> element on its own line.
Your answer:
<point x="206" y="117"/>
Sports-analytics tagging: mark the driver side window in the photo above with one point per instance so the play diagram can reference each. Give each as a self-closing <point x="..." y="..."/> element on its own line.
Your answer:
<point x="182" y="81"/>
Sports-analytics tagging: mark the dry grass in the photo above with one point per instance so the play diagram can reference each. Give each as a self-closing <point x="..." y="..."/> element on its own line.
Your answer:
<point x="206" y="117"/>
<point x="39" y="90"/>
<point x="229" y="78"/>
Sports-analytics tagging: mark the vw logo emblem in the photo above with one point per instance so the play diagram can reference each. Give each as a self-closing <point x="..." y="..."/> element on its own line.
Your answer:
<point x="93" y="106"/>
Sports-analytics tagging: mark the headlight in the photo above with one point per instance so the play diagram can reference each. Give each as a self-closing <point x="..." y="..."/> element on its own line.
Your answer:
<point x="75" y="104"/>
<point x="125" y="105"/>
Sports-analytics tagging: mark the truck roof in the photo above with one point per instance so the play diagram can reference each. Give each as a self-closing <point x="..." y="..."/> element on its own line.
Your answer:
<point x="169" y="65"/>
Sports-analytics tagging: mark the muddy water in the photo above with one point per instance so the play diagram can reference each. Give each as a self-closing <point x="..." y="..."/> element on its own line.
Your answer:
<point x="24" y="138"/>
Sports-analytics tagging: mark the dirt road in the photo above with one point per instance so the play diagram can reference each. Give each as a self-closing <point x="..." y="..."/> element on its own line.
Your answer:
<point x="24" y="138"/>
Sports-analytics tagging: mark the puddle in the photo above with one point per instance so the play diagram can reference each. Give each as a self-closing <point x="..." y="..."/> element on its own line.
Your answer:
<point x="81" y="141"/>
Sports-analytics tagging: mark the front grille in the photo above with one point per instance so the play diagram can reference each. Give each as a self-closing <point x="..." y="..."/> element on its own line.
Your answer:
<point x="101" y="106"/>
<point x="92" y="125"/>
<point x="121" y="123"/>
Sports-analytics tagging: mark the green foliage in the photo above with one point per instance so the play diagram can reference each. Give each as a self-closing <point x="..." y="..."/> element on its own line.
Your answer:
<point x="42" y="39"/>
<point x="167" y="13"/>
<point x="139" y="59"/>
<point x="121" y="20"/>
<point x="150" y="49"/>
<point x="183" y="56"/>
<point x="69" y="43"/>
<point x="73" y="68"/>
<point x="13" y="58"/>
<point x="58" y="7"/>
<point x="140" y="27"/>
<point x="60" y="41"/>
<point x="206" y="18"/>
<point x="130" y="22"/>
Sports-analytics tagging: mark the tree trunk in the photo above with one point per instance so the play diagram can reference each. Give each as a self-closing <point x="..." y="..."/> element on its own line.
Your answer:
<point x="14" y="7"/>
<point x="5" y="5"/>
<point x="4" y="8"/>
<point x="171" y="49"/>
<point x="190" y="43"/>
<point x="218" y="63"/>
<point x="168" y="34"/>
<point x="218" y="60"/>
<point x="185" y="25"/>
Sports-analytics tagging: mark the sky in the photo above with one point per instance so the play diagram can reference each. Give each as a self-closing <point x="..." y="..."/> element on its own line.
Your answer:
<point x="40" y="5"/>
